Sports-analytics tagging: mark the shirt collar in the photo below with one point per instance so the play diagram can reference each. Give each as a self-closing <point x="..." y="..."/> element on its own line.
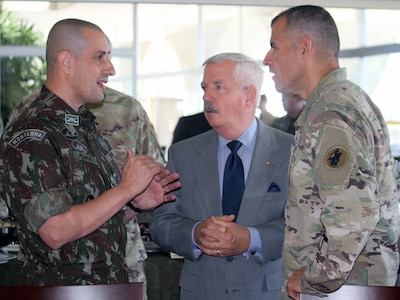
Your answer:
<point x="247" y="138"/>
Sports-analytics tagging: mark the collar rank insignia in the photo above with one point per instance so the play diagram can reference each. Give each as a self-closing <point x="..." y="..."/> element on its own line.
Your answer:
<point x="336" y="157"/>
<point x="71" y="120"/>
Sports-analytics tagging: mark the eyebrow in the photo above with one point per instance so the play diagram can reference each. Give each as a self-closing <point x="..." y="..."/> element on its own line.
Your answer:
<point x="102" y="52"/>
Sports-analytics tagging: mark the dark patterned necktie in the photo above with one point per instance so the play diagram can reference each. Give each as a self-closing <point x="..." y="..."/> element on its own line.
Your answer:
<point x="233" y="181"/>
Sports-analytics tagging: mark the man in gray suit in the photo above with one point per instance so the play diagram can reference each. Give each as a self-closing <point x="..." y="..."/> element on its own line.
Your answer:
<point x="228" y="256"/>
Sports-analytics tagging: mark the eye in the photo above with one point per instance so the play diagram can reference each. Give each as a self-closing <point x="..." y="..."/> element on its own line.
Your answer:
<point x="101" y="56"/>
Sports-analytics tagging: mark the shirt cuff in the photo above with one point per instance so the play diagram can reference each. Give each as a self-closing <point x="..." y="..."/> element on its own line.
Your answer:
<point x="255" y="247"/>
<point x="195" y="247"/>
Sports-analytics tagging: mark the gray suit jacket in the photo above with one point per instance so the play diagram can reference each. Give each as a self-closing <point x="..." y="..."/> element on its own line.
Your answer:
<point x="262" y="207"/>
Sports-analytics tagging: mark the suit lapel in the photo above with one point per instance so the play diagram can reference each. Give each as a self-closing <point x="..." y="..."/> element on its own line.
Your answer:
<point x="205" y="170"/>
<point x="263" y="166"/>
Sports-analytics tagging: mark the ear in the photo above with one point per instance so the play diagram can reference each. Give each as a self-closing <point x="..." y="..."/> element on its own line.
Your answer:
<point x="65" y="60"/>
<point x="251" y="95"/>
<point x="305" y="46"/>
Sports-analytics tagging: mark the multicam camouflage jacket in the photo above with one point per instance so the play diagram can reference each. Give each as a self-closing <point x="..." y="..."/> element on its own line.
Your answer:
<point x="342" y="210"/>
<point x="125" y="124"/>
<point x="52" y="158"/>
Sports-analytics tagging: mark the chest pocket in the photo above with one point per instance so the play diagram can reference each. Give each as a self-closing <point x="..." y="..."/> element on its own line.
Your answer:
<point x="84" y="178"/>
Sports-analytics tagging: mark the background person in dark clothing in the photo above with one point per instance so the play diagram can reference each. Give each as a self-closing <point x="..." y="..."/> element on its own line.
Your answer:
<point x="293" y="105"/>
<point x="189" y="126"/>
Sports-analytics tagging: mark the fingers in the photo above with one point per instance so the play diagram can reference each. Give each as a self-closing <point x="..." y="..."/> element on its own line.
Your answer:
<point x="293" y="285"/>
<point x="129" y="153"/>
<point x="223" y="219"/>
<point x="164" y="177"/>
<point x="171" y="187"/>
<point x="294" y="295"/>
<point x="143" y="163"/>
<point x="169" y="182"/>
<point x="216" y="251"/>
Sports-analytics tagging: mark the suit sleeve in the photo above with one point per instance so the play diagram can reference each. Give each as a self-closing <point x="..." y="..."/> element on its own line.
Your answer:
<point x="169" y="228"/>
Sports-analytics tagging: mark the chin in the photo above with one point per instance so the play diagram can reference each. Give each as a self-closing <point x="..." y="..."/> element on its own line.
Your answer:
<point x="278" y="88"/>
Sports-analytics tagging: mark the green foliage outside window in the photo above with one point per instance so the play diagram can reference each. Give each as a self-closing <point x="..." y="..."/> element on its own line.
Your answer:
<point x="19" y="75"/>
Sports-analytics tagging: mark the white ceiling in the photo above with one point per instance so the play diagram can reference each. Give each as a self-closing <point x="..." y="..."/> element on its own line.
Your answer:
<point x="384" y="4"/>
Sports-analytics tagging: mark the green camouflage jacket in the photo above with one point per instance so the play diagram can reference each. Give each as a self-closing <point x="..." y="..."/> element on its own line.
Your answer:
<point x="52" y="158"/>
<point x="125" y="124"/>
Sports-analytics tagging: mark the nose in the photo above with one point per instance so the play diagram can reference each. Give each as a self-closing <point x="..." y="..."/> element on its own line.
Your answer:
<point x="267" y="59"/>
<point x="110" y="69"/>
<point x="204" y="97"/>
<point x="207" y="95"/>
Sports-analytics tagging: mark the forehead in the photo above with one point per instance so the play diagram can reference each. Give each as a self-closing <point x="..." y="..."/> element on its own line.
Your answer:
<point x="221" y="70"/>
<point x="97" y="40"/>
<point x="278" y="28"/>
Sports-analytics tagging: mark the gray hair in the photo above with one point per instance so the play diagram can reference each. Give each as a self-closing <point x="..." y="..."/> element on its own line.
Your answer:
<point x="247" y="71"/>
<point x="316" y="22"/>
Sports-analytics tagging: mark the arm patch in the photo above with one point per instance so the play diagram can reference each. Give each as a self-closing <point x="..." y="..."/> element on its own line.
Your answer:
<point x="31" y="134"/>
<point x="337" y="151"/>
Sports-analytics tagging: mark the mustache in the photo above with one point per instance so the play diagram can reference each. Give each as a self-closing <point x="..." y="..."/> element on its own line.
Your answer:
<point x="209" y="107"/>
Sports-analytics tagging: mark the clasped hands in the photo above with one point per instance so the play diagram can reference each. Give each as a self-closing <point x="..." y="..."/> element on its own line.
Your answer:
<point x="220" y="236"/>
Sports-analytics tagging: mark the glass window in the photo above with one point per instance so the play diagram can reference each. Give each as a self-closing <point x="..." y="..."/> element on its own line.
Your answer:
<point x="381" y="25"/>
<point x="348" y="24"/>
<point x="116" y="19"/>
<point x="220" y="30"/>
<point x="158" y="49"/>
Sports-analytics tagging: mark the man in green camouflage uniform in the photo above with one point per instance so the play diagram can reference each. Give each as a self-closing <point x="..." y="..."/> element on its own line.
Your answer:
<point x="59" y="174"/>
<point x="125" y="124"/>
<point x="342" y="210"/>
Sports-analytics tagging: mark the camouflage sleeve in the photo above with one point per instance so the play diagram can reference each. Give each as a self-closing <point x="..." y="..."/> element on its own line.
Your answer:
<point x="34" y="167"/>
<point x="345" y="169"/>
<point x="397" y="172"/>
<point x="146" y="142"/>
<point x="22" y="104"/>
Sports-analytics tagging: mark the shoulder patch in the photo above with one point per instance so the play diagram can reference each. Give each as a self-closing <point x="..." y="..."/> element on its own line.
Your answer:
<point x="336" y="152"/>
<point x="336" y="157"/>
<point x="31" y="134"/>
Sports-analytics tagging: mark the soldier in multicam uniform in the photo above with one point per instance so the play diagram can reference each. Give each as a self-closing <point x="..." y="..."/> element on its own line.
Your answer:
<point x="125" y="124"/>
<point x="293" y="105"/>
<point x="60" y="177"/>
<point x="342" y="210"/>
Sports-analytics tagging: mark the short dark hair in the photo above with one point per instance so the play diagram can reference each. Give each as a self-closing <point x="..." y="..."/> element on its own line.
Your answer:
<point x="314" y="21"/>
<point x="67" y="34"/>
